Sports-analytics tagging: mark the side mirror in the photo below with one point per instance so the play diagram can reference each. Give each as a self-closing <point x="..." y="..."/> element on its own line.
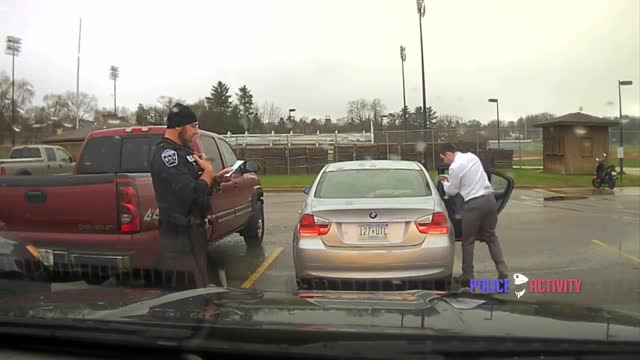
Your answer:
<point x="307" y="190"/>
<point x="250" y="166"/>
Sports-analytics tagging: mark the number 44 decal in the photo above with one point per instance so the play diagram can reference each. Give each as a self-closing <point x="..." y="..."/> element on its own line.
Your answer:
<point x="152" y="214"/>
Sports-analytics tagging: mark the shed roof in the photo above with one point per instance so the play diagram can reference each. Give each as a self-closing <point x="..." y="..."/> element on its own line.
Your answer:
<point x="577" y="118"/>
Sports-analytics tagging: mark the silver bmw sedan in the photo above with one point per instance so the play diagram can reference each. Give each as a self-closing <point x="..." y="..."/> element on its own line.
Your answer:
<point x="373" y="225"/>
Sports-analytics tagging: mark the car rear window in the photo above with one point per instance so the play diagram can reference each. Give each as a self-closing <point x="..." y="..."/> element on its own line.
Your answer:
<point x="372" y="183"/>
<point x="25" y="153"/>
<point x="114" y="154"/>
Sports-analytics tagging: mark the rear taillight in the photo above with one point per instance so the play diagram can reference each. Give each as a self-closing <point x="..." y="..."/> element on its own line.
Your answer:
<point x="3" y="172"/>
<point x="128" y="209"/>
<point x="435" y="223"/>
<point x="310" y="225"/>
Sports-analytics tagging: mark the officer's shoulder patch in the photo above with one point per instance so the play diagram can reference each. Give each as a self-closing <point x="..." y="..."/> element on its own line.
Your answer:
<point x="170" y="157"/>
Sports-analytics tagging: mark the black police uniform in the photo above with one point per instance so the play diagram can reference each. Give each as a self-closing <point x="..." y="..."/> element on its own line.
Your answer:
<point x="183" y="202"/>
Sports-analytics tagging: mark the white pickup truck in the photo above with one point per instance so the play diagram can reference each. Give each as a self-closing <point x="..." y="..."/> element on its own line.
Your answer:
<point x="37" y="160"/>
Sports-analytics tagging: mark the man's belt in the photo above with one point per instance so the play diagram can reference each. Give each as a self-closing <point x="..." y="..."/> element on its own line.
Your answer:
<point x="476" y="198"/>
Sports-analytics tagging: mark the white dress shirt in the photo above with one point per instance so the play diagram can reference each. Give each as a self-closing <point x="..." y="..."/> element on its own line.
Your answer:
<point x="467" y="177"/>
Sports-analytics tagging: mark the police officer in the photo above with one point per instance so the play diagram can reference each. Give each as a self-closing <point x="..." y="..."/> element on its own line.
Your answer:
<point x="182" y="181"/>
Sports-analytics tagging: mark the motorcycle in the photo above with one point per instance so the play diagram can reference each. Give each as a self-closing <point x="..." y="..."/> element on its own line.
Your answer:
<point x="604" y="174"/>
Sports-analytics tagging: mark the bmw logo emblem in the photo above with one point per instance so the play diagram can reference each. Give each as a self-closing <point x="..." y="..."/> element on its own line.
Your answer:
<point x="373" y="215"/>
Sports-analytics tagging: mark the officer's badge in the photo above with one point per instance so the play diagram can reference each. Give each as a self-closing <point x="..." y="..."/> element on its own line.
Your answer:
<point x="170" y="157"/>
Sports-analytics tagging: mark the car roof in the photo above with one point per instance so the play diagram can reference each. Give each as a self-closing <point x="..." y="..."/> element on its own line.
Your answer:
<point x="373" y="164"/>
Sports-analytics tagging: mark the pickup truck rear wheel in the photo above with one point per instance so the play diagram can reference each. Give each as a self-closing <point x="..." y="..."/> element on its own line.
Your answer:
<point x="253" y="233"/>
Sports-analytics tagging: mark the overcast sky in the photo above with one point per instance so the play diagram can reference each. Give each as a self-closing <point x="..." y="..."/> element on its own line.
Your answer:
<point x="535" y="56"/>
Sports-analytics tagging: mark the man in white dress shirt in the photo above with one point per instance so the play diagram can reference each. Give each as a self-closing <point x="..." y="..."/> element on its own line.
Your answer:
<point x="480" y="214"/>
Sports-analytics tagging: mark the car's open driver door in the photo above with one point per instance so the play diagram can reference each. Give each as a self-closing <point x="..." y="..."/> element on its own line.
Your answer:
<point x="502" y="185"/>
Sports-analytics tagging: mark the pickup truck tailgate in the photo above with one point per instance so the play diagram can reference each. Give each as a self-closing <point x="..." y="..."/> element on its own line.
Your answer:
<point x="59" y="204"/>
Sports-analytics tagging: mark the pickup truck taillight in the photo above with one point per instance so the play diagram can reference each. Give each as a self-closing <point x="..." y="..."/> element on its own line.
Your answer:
<point x="3" y="172"/>
<point x="128" y="208"/>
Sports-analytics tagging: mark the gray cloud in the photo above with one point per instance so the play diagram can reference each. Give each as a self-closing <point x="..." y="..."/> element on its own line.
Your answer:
<point x="315" y="56"/>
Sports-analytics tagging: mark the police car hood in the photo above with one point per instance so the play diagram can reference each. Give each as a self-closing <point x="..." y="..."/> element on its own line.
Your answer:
<point x="411" y="312"/>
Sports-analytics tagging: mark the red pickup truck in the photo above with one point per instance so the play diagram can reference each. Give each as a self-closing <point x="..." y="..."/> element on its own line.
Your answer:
<point x="103" y="219"/>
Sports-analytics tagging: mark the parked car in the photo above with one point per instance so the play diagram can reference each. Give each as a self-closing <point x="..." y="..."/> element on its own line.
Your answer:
<point x="378" y="225"/>
<point x="103" y="219"/>
<point x="37" y="160"/>
<point x="21" y="268"/>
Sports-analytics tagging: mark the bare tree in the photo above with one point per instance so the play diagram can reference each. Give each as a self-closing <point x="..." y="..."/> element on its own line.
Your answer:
<point x="449" y="121"/>
<point x="269" y="112"/>
<point x="23" y="94"/>
<point x="358" y="110"/>
<point x="81" y="107"/>
<point x="377" y="109"/>
<point x="68" y="108"/>
<point x="55" y="105"/>
<point x="166" y="102"/>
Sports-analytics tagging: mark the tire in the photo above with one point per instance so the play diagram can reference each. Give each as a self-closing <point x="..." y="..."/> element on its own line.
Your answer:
<point x="596" y="183"/>
<point x="611" y="183"/>
<point x="253" y="233"/>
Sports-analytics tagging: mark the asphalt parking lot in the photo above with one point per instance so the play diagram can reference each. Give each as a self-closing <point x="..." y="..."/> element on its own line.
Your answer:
<point x="573" y="234"/>
<point x="592" y="236"/>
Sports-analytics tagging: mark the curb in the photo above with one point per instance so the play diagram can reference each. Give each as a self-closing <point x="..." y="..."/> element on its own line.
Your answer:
<point x="288" y="189"/>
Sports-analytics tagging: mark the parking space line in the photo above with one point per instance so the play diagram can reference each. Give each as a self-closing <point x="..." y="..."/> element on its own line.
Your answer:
<point x="260" y="270"/>
<point x="547" y="192"/>
<point x="634" y="258"/>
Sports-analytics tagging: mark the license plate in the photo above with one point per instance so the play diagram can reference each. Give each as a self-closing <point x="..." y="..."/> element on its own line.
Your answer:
<point x="614" y="173"/>
<point x="374" y="231"/>
<point x="46" y="256"/>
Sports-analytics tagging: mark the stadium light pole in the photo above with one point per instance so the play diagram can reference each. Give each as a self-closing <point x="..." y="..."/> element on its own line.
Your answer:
<point x="421" y="12"/>
<point x="114" y="74"/>
<point x="14" y="45"/>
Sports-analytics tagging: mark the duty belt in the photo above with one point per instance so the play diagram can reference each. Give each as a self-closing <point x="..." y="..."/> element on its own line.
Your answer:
<point x="179" y="220"/>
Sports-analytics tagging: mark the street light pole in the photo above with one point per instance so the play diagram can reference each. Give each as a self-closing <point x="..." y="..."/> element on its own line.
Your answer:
<point x="497" y="118"/>
<point x="14" y="44"/>
<point x="620" y="84"/>
<point x="421" y="12"/>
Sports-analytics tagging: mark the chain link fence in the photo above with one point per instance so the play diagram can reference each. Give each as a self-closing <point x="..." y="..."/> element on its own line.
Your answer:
<point x="299" y="153"/>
